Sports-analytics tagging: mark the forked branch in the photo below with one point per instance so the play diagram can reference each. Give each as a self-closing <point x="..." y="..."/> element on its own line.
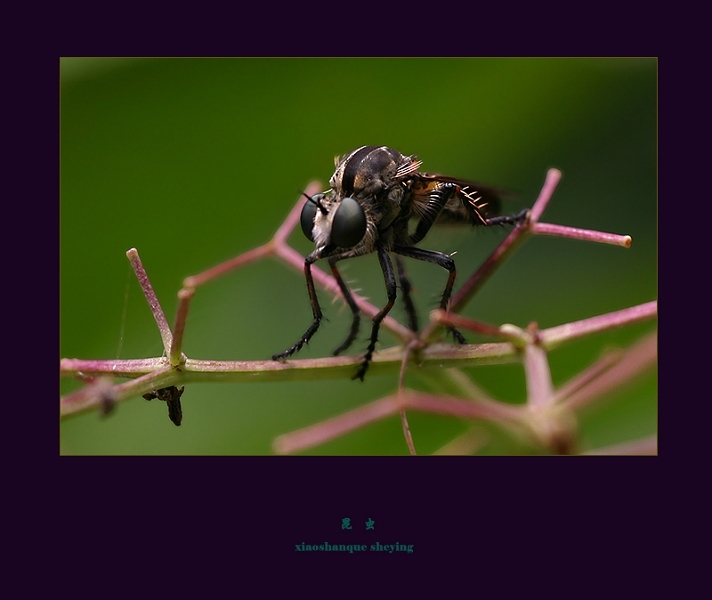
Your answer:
<point x="547" y="416"/>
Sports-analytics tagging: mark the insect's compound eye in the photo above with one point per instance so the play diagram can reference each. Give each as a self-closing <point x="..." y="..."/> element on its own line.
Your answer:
<point x="308" y="214"/>
<point x="349" y="224"/>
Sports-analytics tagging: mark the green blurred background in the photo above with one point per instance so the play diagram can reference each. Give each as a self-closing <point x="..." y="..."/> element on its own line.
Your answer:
<point x="193" y="161"/>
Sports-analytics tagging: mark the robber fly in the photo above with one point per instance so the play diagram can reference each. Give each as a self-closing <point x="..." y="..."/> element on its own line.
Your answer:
<point x="375" y="193"/>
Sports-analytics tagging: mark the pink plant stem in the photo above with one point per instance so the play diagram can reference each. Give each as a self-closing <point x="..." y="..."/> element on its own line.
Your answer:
<point x="587" y="235"/>
<point x="490" y="410"/>
<point x="229" y="265"/>
<point x="406" y="431"/>
<point x="636" y="360"/>
<point x="554" y="336"/>
<point x="176" y="355"/>
<point x="474" y="283"/>
<point x="151" y="298"/>
<point x="515" y="237"/>
<point x="407" y="350"/>
<point x="551" y="181"/>
<point x="379" y="409"/>
<point x="93" y="394"/>
<point x="69" y="367"/>
<point x="278" y="241"/>
<point x="581" y="380"/>
<point x="445" y="318"/>
<point x="329" y="429"/>
<point x="540" y="390"/>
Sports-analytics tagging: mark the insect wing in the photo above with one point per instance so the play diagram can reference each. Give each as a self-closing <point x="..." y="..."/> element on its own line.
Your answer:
<point x="471" y="203"/>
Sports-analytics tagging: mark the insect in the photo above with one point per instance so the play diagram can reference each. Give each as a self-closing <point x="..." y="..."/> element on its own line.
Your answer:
<point x="375" y="194"/>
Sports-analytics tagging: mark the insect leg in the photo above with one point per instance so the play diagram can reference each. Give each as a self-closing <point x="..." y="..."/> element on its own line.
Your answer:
<point x="316" y="309"/>
<point x="510" y="220"/>
<point x="390" y="278"/>
<point x="407" y="299"/>
<point x="356" y="322"/>
<point x="438" y="200"/>
<point x="445" y="262"/>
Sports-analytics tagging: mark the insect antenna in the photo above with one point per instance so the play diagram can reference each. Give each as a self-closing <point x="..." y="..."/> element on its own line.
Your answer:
<point x="317" y="202"/>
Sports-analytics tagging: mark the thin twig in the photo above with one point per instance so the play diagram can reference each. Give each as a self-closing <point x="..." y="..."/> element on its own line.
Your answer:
<point x="510" y="243"/>
<point x="587" y="375"/>
<point x="586" y="235"/>
<point x="406" y="432"/>
<point x="553" y="177"/>
<point x="151" y="298"/>
<point x="636" y="359"/>
<point x="335" y="427"/>
<point x="195" y="281"/>
<point x="490" y="410"/>
<point x="332" y="367"/>
<point x="474" y="283"/>
<point x="447" y="318"/>
<point x="407" y="351"/>
<point x="445" y="355"/>
<point x="176" y="356"/>
<point x="554" y="336"/>
<point x="91" y="396"/>
<point x="540" y="390"/>
<point x="341" y="424"/>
